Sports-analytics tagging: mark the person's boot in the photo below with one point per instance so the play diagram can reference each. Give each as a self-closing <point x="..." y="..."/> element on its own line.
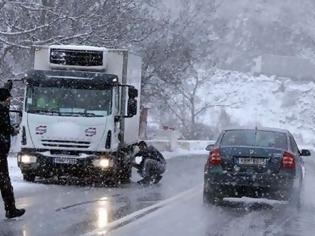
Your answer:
<point x="157" y="179"/>
<point x="14" y="213"/>
<point x="144" y="181"/>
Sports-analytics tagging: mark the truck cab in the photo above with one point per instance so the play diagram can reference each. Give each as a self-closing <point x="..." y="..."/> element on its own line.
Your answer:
<point x="80" y="115"/>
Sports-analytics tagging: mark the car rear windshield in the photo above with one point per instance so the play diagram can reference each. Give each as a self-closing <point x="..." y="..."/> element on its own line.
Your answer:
<point x="258" y="138"/>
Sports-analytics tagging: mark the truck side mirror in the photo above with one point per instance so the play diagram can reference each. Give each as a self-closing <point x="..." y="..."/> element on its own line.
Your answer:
<point x="132" y="92"/>
<point x="132" y="107"/>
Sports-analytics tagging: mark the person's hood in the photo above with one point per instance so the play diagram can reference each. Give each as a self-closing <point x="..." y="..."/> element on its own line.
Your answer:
<point x="4" y="94"/>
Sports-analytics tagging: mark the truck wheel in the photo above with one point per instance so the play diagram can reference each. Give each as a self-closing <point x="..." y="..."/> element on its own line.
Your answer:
<point x="120" y="177"/>
<point x="29" y="177"/>
<point x="124" y="176"/>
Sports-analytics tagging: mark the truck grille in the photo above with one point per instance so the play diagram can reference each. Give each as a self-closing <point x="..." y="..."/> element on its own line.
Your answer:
<point x="65" y="143"/>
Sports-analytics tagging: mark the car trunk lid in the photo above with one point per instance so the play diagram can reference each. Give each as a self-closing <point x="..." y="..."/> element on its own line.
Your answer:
<point x="251" y="159"/>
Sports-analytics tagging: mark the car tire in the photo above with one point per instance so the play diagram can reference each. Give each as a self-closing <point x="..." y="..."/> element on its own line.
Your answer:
<point x="28" y="177"/>
<point x="295" y="198"/>
<point x="213" y="196"/>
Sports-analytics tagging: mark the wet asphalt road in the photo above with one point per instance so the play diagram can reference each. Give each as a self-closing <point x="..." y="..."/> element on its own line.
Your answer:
<point x="173" y="207"/>
<point x="246" y="217"/>
<point x="61" y="209"/>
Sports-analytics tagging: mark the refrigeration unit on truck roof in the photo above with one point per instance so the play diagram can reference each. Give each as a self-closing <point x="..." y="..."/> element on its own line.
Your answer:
<point x="71" y="57"/>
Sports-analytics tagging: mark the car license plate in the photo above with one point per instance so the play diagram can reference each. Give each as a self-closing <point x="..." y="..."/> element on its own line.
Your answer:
<point x="64" y="160"/>
<point x="251" y="161"/>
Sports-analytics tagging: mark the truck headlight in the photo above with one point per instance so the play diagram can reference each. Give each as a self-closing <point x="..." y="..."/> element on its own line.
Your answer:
<point x="27" y="159"/>
<point x="103" y="163"/>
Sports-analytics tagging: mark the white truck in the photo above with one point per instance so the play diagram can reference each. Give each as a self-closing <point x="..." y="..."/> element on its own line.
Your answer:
<point x="81" y="113"/>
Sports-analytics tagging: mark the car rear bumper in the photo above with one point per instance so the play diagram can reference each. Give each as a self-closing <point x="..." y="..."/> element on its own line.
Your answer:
<point x="256" y="180"/>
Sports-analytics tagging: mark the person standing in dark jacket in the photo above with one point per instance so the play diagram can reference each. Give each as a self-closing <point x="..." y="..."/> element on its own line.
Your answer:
<point x="6" y="130"/>
<point x="152" y="166"/>
<point x="8" y="85"/>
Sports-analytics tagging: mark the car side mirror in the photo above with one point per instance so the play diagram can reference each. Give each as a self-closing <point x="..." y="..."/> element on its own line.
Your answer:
<point x="305" y="153"/>
<point x="132" y="92"/>
<point x="210" y="147"/>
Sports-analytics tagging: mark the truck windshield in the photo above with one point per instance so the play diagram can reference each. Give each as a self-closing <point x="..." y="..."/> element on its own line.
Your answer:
<point x="67" y="101"/>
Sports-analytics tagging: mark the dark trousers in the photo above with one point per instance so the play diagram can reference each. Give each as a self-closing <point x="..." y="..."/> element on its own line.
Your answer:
<point x="152" y="168"/>
<point x="5" y="182"/>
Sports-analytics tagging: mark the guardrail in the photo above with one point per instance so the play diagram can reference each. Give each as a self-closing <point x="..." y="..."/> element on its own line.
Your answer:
<point x="172" y="145"/>
<point x="188" y="145"/>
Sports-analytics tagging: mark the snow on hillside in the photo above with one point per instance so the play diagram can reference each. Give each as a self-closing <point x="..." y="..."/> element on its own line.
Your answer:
<point x="247" y="29"/>
<point x="263" y="101"/>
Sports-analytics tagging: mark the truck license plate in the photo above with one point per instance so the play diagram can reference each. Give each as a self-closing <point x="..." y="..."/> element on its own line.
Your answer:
<point x="64" y="160"/>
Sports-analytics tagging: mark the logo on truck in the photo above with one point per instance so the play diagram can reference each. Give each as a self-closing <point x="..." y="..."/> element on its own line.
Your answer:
<point x="90" y="132"/>
<point x="40" y="130"/>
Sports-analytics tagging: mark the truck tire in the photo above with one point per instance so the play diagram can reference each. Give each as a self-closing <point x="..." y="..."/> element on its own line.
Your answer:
<point x="124" y="176"/>
<point x="28" y="177"/>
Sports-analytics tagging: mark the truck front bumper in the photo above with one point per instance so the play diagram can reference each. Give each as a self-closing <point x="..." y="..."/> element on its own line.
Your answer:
<point x="43" y="165"/>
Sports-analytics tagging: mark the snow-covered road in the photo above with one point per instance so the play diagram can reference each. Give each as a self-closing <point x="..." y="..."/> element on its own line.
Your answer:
<point x="61" y="209"/>
<point x="187" y="215"/>
<point x="173" y="207"/>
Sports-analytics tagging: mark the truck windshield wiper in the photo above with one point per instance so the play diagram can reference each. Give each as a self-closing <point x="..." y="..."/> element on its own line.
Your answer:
<point x="90" y="114"/>
<point x="86" y="114"/>
<point x="44" y="111"/>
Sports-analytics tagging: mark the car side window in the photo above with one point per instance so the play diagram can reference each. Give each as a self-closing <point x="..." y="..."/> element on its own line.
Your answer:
<point x="218" y="140"/>
<point x="294" y="146"/>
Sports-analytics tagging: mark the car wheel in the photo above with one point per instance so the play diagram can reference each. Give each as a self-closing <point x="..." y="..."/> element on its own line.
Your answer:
<point x="29" y="177"/>
<point x="212" y="197"/>
<point x="295" y="198"/>
<point x="296" y="192"/>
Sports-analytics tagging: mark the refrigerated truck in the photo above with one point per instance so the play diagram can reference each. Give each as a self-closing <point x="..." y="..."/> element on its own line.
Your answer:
<point x="81" y="113"/>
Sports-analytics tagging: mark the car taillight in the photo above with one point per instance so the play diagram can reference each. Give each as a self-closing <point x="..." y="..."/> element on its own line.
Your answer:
<point x="288" y="161"/>
<point x="215" y="157"/>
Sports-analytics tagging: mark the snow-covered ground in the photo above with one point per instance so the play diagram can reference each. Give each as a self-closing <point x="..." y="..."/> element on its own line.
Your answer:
<point x="263" y="101"/>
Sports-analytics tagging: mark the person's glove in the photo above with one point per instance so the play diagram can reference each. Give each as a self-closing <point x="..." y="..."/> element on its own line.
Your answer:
<point x="15" y="130"/>
<point x="138" y="160"/>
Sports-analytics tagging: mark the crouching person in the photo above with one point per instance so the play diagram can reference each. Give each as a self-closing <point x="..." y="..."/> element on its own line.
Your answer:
<point x="152" y="166"/>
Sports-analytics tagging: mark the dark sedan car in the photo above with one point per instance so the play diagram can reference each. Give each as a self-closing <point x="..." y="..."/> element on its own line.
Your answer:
<point x="256" y="163"/>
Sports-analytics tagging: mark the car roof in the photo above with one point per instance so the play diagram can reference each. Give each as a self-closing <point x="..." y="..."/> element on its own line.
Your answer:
<point x="260" y="128"/>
